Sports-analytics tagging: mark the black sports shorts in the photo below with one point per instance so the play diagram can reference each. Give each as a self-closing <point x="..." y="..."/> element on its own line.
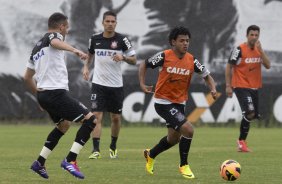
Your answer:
<point x="106" y="99"/>
<point x="172" y="113"/>
<point x="248" y="100"/>
<point x="61" y="106"/>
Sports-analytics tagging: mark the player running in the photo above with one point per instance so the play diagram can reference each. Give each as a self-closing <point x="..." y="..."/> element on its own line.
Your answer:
<point x="176" y="67"/>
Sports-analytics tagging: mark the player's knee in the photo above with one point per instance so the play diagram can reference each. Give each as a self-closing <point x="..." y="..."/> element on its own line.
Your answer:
<point x="250" y="115"/>
<point x="116" y="118"/>
<point x="90" y="122"/>
<point x="187" y="129"/>
<point x="64" y="126"/>
<point x="173" y="140"/>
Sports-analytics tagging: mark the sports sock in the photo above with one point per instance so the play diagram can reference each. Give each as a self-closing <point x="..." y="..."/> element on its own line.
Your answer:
<point x="82" y="136"/>
<point x="96" y="144"/>
<point x="113" y="145"/>
<point x="244" y="128"/>
<point x="51" y="142"/>
<point x="184" y="147"/>
<point x="160" y="147"/>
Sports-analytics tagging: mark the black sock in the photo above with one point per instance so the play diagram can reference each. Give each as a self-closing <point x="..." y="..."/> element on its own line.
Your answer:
<point x="244" y="129"/>
<point x="51" y="142"/>
<point x="184" y="147"/>
<point x="96" y="144"/>
<point x="113" y="145"/>
<point x="160" y="147"/>
<point x="82" y="136"/>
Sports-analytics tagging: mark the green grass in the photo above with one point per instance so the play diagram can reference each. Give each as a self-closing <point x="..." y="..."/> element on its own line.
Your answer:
<point x="21" y="144"/>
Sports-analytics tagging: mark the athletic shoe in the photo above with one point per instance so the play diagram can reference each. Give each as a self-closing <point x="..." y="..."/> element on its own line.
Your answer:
<point x="41" y="170"/>
<point x="242" y="146"/>
<point x="149" y="162"/>
<point x="186" y="172"/>
<point x="113" y="153"/>
<point x="95" y="155"/>
<point x="72" y="168"/>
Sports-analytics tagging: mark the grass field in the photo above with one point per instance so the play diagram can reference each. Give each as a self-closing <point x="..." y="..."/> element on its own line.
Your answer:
<point x="20" y="145"/>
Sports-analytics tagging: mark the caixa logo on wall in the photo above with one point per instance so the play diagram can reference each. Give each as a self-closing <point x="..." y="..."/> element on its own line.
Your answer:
<point x="136" y="109"/>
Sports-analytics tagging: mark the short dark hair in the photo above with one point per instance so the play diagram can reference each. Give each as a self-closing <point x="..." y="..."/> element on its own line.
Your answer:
<point x="175" y="32"/>
<point x="56" y="19"/>
<point x="253" y="28"/>
<point x="109" y="13"/>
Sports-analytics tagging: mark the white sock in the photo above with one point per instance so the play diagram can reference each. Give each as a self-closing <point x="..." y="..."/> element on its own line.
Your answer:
<point x="45" y="152"/>
<point x="76" y="147"/>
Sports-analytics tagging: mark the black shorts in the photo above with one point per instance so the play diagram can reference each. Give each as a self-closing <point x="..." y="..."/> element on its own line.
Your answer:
<point x="172" y="113"/>
<point x="109" y="99"/>
<point x="61" y="106"/>
<point x="248" y="100"/>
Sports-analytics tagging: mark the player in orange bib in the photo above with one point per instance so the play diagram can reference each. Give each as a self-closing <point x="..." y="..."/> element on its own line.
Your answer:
<point x="176" y="69"/>
<point x="243" y="76"/>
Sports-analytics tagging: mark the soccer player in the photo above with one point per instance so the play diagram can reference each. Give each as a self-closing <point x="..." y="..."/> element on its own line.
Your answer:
<point x="48" y="67"/>
<point x="176" y="69"/>
<point x="243" y="76"/>
<point x="108" y="49"/>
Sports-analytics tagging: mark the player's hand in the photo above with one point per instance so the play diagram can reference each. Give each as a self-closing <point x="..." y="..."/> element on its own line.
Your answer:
<point x="146" y="89"/>
<point x="214" y="94"/>
<point x="258" y="46"/>
<point x="229" y="91"/>
<point x="85" y="73"/>
<point x="117" y="57"/>
<point x="80" y="54"/>
<point x="83" y="56"/>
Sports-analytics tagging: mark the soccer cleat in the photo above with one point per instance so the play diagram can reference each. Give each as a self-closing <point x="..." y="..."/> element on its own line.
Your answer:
<point x="72" y="168"/>
<point x="95" y="155"/>
<point x="149" y="162"/>
<point x="41" y="170"/>
<point x="242" y="146"/>
<point x="186" y="172"/>
<point x="113" y="153"/>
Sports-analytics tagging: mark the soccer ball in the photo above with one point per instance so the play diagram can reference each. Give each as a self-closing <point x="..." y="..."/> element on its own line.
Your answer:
<point x="230" y="170"/>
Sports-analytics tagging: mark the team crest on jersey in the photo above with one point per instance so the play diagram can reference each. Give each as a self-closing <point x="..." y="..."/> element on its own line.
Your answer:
<point x="114" y="45"/>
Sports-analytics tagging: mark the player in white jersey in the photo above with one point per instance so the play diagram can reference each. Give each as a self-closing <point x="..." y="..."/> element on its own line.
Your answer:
<point x="47" y="77"/>
<point x="108" y="50"/>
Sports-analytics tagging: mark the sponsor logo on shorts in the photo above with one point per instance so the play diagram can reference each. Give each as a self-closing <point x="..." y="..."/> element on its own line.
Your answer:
<point x="94" y="105"/>
<point x="179" y="116"/>
<point x="93" y="97"/>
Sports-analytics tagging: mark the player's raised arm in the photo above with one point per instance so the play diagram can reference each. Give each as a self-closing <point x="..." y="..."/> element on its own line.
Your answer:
<point x="265" y="60"/>
<point x="61" y="45"/>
